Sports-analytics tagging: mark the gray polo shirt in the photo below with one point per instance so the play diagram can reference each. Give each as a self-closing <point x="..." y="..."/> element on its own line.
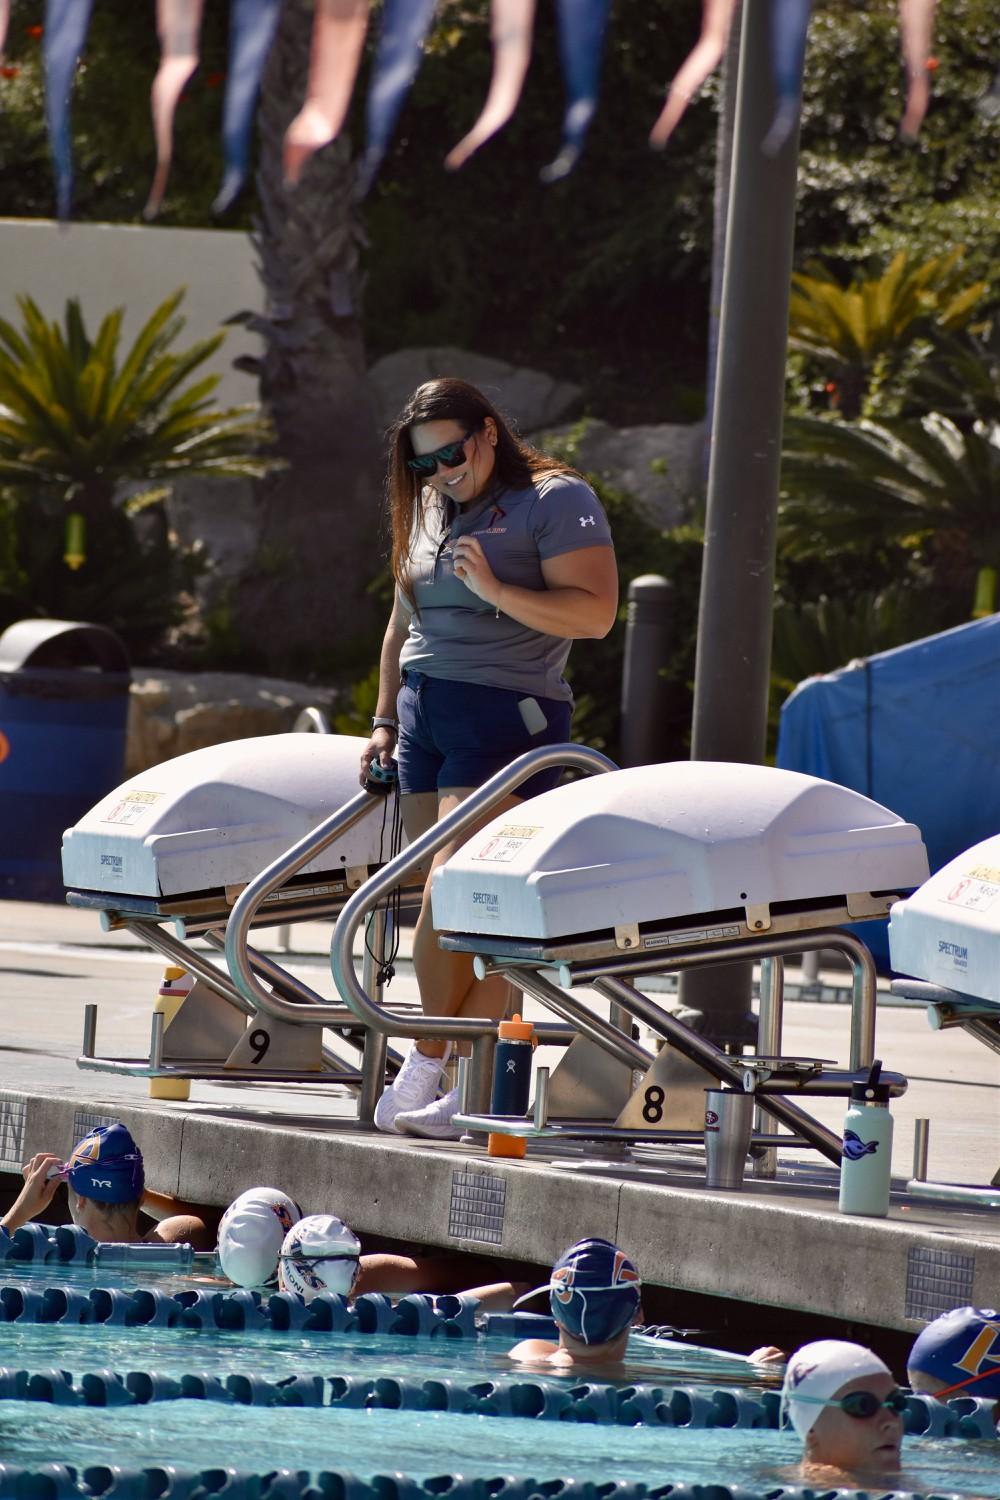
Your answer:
<point x="456" y="635"/>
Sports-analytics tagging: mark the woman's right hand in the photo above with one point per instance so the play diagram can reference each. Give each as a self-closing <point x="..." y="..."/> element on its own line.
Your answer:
<point x="38" y="1191"/>
<point x="381" y="743"/>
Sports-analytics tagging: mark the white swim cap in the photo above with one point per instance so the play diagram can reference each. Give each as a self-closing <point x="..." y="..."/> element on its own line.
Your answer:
<point x="250" y="1234"/>
<point x="320" y="1254"/>
<point x="818" y="1371"/>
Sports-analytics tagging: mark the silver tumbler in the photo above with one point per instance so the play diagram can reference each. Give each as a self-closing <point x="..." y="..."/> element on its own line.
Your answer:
<point x="728" y="1122"/>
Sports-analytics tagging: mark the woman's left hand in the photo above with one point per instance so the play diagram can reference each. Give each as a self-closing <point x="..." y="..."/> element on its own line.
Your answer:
<point x="471" y="567"/>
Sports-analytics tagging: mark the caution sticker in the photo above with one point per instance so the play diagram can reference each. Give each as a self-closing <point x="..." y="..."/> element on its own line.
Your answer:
<point x="506" y="843"/>
<point x="974" y="893"/>
<point x="691" y="935"/>
<point x="132" y="808"/>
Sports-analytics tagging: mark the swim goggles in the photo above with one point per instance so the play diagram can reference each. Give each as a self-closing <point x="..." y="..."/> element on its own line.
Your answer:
<point x="861" y="1405"/>
<point x="448" y="456"/>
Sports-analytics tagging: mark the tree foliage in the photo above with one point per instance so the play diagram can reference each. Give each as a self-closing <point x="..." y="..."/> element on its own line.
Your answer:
<point x="601" y="278"/>
<point x="862" y="333"/>
<point x="77" y="422"/>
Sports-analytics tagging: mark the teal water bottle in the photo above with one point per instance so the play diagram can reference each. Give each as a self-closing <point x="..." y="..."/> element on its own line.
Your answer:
<point x="866" y="1150"/>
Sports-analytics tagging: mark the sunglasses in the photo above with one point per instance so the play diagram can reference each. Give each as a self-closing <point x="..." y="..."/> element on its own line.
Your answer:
<point x="861" y="1405"/>
<point x="448" y="456"/>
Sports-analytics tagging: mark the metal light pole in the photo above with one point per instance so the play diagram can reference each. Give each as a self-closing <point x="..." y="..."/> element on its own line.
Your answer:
<point x="732" y="667"/>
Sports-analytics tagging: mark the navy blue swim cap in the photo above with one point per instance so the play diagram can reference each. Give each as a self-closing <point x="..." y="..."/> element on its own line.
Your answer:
<point x="593" y="1291"/>
<point x="106" y="1166"/>
<point x="957" y="1345"/>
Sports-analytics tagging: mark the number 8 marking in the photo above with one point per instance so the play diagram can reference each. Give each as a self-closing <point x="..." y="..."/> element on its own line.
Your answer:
<point x="652" y="1110"/>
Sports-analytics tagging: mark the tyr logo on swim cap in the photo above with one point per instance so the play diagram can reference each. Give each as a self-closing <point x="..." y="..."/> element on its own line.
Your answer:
<point x="957" y="1345"/>
<point x="106" y="1166"/>
<point x="593" y="1291"/>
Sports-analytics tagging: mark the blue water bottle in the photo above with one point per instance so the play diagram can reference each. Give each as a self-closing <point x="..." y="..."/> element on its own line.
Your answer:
<point x="511" y="1081"/>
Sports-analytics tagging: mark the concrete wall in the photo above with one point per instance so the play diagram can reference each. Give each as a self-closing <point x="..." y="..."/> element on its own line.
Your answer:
<point x="120" y="265"/>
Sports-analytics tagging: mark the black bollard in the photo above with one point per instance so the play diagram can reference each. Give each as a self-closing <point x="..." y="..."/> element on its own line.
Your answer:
<point x="644" y="691"/>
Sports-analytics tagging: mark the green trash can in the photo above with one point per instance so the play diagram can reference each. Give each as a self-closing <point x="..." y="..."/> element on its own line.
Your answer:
<point x="63" y="709"/>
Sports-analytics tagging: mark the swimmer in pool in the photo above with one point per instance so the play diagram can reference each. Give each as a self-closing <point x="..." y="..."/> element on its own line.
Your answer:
<point x="263" y="1237"/>
<point x="958" y="1353"/>
<point x="845" y="1406"/>
<point x="960" y="1348"/>
<point x="594" y="1297"/>
<point x="106" y="1186"/>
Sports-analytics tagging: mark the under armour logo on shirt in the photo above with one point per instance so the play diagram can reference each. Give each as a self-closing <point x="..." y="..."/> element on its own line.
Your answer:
<point x="586" y="520"/>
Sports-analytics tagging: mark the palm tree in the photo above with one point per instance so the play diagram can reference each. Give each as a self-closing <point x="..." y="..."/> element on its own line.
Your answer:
<point x="76" y="423"/>
<point x="832" y="631"/>
<point x="925" y="484"/>
<point x="855" y="331"/>
<point x="306" y="603"/>
<point x="960" y="379"/>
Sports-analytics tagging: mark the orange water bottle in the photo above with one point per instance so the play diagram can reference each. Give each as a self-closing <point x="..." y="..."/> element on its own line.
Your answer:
<point x="174" y="989"/>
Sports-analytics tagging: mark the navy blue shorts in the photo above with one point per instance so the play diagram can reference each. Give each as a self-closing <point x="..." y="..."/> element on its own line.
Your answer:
<point x="458" y="734"/>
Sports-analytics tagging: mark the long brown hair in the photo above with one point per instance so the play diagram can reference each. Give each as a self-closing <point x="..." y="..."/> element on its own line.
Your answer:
<point x="448" y="399"/>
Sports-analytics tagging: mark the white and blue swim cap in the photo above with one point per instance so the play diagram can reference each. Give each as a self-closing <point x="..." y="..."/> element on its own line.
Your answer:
<point x="250" y="1234"/>
<point x="956" y="1346"/>
<point x="817" y="1372"/>
<point x="320" y="1254"/>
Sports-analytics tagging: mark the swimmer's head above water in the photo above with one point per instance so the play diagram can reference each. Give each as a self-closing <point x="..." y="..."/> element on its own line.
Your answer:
<point x="960" y="1348"/>
<point x="594" y="1298"/>
<point x="845" y="1406"/>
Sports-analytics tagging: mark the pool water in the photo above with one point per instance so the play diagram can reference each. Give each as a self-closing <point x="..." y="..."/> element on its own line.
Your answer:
<point x="422" y="1444"/>
<point x="203" y="1434"/>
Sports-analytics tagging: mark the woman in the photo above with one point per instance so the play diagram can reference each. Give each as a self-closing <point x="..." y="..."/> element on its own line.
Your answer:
<point x="502" y="557"/>
<point x="845" y="1406"/>
<point x="106" y="1183"/>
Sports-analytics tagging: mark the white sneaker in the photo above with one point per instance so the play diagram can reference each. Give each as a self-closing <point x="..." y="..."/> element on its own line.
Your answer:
<point x="435" y="1120"/>
<point x="415" y="1085"/>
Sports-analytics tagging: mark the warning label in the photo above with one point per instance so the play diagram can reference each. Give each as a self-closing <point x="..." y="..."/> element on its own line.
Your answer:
<point x="506" y="843"/>
<point x="132" y="808"/>
<point x="693" y="935"/>
<point x="973" y="892"/>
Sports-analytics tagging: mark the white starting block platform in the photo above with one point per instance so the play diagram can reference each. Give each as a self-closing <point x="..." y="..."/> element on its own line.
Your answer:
<point x="669" y="856"/>
<point x="168" y="854"/>
<point x="685" y="864"/>
<point x="183" y="839"/>
<point x="948" y="932"/>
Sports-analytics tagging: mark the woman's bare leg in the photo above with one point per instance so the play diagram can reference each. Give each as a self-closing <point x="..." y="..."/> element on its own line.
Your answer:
<point x="448" y="986"/>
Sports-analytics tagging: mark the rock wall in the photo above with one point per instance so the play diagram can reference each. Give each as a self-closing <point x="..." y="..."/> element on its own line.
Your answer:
<point x="173" y="712"/>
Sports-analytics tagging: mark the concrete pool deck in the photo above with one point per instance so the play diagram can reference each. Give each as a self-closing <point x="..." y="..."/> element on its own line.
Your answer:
<point x="778" y="1244"/>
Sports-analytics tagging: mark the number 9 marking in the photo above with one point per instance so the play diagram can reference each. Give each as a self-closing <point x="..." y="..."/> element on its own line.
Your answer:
<point x="259" y="1041"/>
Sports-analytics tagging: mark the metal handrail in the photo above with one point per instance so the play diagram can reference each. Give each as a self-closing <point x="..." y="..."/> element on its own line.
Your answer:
<point x="253" y="897"/>
<point x="864" y="987"/>
<point x="359" y="1004"/>
<point x="577" y="757"/>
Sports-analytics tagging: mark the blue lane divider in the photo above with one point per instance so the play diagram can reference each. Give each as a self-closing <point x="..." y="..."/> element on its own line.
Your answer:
<point x="116" y="1482"/>
<point x="695" y="1407"/>
<point x="418" y="1315"/>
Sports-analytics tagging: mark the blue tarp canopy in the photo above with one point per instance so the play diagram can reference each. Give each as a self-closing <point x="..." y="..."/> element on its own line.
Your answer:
<point x="916" y="729"/>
